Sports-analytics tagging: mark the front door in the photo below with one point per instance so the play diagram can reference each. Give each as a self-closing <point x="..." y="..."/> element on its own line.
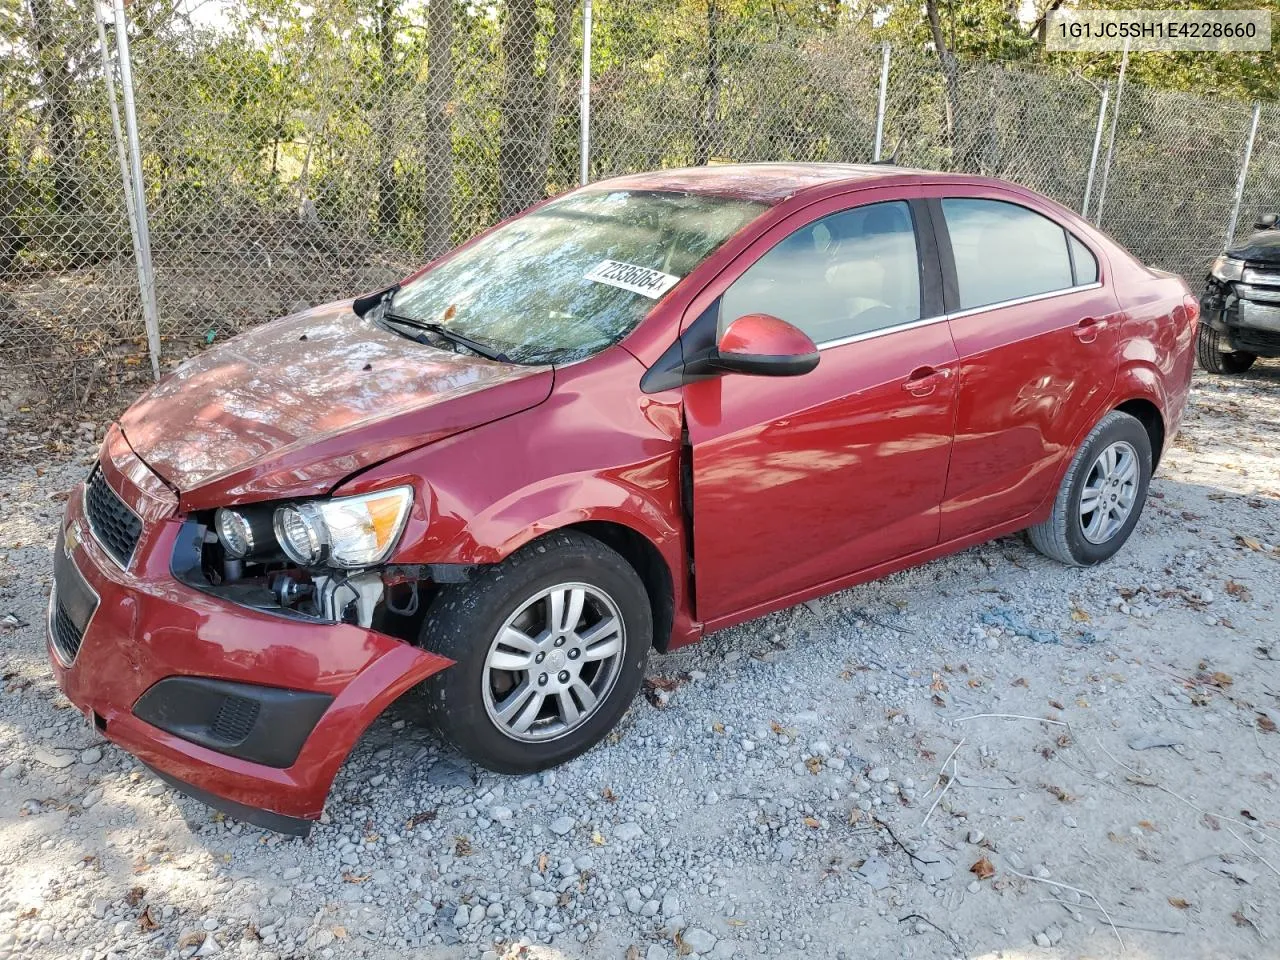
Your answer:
<point x="801" y="481"/>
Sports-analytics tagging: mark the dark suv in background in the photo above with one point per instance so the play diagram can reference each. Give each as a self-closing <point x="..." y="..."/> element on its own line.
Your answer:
<point x="1240" y="309"/>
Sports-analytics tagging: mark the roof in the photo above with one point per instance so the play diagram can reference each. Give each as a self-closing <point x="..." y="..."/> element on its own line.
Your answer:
<point x="764" y="182"/>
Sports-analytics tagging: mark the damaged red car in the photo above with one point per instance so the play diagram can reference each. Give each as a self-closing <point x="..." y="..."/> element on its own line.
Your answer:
<point x="653" y="407"/>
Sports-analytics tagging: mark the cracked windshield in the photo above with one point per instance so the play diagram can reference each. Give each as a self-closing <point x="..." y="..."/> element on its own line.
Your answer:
<point x="573" y="277"/>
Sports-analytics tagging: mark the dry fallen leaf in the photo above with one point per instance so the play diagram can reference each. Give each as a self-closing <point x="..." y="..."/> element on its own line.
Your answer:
<point x="1266" y="724"/>
<point x="1058" y="792"/>
<point x="339" y="932"/>
<point x="718" y="727"/>
<point x="462" y="846"/>
<point x="1238" y="590"/>
<point x="597" y="838"/>
<point x="354" y="877"/>
<point x="633" y="952"/>
<point x="542" y="863"/>
<point x="812" y="823"/>
<point x="1080" y="616"/>
<point x="135" y="895"/>
<point x="1020" y="682"/>
<point x="814" y="765"/>
<point x="1179" y="903"/>
<point x="146" y="922"/>
<point x="608" y="795"/>
<point x="983" y="869"/>
<point x="1148" y="826"/>
<point x="1249" y="542"/>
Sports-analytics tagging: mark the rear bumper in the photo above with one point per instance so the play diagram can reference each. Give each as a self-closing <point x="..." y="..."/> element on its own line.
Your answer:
<point x="147" y="627"/>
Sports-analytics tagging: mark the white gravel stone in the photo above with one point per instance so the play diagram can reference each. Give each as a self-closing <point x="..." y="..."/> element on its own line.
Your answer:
<point x="698" y="940"/>
<point x="561" y="826"/>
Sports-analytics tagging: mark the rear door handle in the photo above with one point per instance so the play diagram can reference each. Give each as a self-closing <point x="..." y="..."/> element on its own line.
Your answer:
<point x="1087" y="330"/>
<point x="924" y="380"/>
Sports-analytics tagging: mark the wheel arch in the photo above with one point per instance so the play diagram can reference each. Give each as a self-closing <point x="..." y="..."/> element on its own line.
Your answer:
<point x="1145" y="411"/>
<point x="648" y="562"/>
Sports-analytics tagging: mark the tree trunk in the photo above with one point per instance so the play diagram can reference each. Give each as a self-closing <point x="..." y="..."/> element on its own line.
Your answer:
<point x="56" y="86"/>
<point x="706" y="137"/>
<point x="529" y="100"/>
<point x="951" y="80"/>
<point x="388" y="201"/>
<point x="437" y="201"/>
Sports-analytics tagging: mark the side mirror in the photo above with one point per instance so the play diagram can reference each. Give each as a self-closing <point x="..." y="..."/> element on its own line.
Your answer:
<point x="1266" y="222"/>
<point x="764" y="346"/>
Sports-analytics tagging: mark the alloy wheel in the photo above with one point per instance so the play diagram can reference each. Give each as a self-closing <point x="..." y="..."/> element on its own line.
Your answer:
<point x="553" y="662"/>
<point x="1110" y="492"/>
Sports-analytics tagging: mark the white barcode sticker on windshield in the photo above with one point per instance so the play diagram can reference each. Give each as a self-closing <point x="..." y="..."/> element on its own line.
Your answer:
<point x="641" y="280"/>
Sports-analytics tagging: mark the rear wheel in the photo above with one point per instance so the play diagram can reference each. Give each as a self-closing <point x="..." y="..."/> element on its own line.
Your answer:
<point x="1212" y="358"/>
<point x="550" y="647"/>
<point x="1102" y="495"/>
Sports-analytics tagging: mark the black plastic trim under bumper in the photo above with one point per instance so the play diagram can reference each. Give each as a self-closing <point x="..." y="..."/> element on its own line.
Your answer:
<point x="261" y="724"/>
<point x="279" y="822"/>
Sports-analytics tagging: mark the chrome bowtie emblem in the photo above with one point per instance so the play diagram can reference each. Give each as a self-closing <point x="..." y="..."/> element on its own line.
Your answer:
<point x="70" y="538"/>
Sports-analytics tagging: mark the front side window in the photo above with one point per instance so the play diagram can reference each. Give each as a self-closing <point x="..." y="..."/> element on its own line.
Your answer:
<point x="850" y="273"/>
<point x="1004" y="252"/>
<point x="575" y="276"/>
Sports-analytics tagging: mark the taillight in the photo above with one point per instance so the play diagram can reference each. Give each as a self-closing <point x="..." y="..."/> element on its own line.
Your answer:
<point x="1191" y="304"/>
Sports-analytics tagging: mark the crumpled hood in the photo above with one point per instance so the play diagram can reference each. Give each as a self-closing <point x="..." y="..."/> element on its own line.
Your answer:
<point x="1262" y="246"/>
<point x="292" y="407"/>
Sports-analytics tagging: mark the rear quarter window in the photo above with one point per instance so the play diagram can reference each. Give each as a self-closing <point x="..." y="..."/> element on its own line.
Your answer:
<point x="1083" y="262"/>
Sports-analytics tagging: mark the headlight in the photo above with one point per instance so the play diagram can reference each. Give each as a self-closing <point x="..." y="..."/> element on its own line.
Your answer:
<point x="245" y="532"/>
<point x="345" y="532"/>
<point x="1227" y="268"/>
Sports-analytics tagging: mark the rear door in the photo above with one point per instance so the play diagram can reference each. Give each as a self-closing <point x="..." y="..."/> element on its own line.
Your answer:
<point x="1036" y="324"/>
<point x="801" y="480"/>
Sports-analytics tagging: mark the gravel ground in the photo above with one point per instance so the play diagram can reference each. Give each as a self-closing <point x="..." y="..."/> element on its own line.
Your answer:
<point x="829" y="781"/>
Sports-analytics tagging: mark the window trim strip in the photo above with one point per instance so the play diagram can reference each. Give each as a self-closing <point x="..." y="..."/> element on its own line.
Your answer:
<point x="956" y="315"/>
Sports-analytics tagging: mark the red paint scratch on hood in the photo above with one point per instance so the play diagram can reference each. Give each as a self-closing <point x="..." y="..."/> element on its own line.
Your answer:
<point x="271" y="414"/>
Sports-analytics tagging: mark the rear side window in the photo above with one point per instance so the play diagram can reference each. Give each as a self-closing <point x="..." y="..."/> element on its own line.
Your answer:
<point x="1083" y="261"/>
<point x="850" y="273"/>
<point x="1004" y="251"/>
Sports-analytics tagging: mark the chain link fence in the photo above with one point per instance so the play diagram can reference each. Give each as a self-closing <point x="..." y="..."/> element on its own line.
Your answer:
<point x="296" y="155"/>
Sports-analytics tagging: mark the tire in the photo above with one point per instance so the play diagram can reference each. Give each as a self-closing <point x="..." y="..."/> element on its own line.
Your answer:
<point x="1211" y="357"/>
<point x="464" y="702"/>
<point x="1083" y="539"/>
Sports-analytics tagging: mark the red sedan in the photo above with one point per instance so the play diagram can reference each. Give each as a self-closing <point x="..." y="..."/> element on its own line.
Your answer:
<point x="653" y="407"/>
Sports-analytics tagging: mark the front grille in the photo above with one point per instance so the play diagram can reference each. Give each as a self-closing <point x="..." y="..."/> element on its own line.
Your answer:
<point x="65" y="635"/>
<point x="114" y="525"/>
<point x="235" y="719"/>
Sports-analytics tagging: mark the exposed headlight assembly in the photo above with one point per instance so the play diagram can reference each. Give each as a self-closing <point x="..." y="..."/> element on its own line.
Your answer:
<point x="1227" y="268"/>
<point x="345" y="531"/>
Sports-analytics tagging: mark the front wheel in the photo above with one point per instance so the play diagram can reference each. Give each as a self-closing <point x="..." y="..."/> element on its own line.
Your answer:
<point x="1212" y="358"/>
<point x="1102" y="495"/>
<point x="550" y="647"/>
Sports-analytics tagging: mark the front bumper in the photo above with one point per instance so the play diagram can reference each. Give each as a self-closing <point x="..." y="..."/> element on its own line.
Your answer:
<point x="148" y="627"/>
<point x="1247" y="316"/>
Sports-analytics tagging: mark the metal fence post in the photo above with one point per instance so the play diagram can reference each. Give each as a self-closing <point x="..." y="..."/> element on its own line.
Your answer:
<point x="1111" y="146"/>
<point x="584" y="99"/>
<point x="126" y="182"/>
<point x="147" y="273"/>
<point x="1097" y="145"/>
<point x="1244" y="174"/>
<point x="884" y="92"/>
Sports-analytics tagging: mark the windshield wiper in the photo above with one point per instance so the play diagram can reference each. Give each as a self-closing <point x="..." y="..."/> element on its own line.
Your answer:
<point x="440" y="330"/>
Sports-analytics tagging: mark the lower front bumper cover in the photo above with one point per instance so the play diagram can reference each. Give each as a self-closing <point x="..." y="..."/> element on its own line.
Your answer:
<point x="279" y="822"/>
<point x="148" y="627"/>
